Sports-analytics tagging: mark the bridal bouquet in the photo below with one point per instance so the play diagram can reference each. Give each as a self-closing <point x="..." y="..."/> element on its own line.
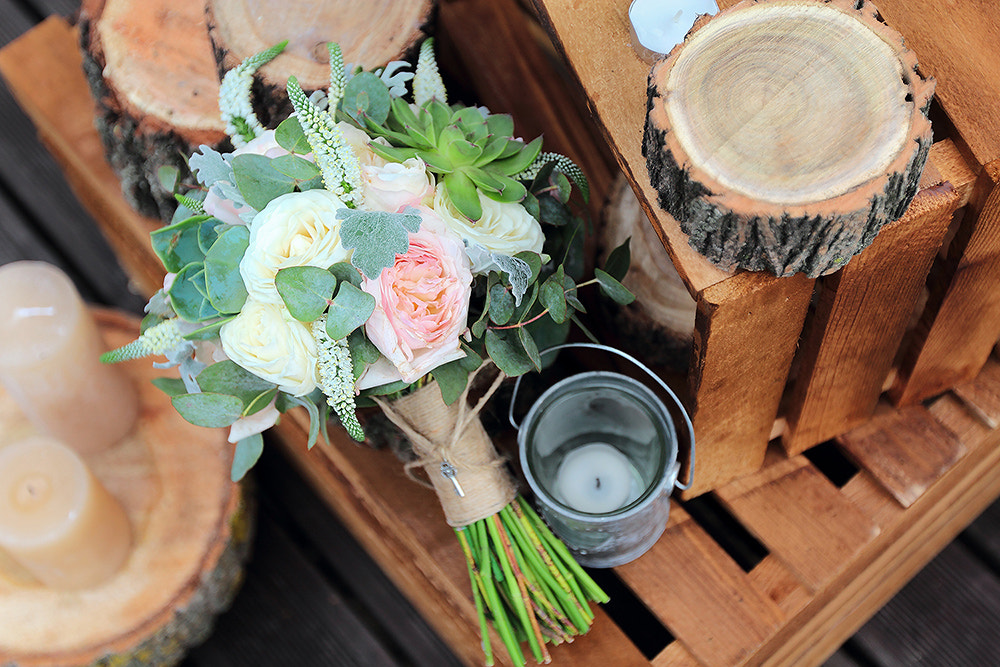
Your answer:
<point x="382" y="245"/>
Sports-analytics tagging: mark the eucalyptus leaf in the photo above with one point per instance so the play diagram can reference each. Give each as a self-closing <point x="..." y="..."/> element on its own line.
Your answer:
<point x="168" y="175"/>
<point x="246" y="455"/>
<point x="259" y="402"/>
<point x="210" y="331"/>
<point x="177" y="245"/>
<point x="306" y="290"/>
<point x="619" y="260"/>
<point x="350" y="308"/>
<point x="507" y="352"/>
<point x="226" y="290"/>
<point x="363" y="351"/>
<point x="452" y="379"/>
<point x="530" y="348"/>
<point x="170" y="386"/>
<point x="295" y="167"/>
<point x="208" y="234"/>
<point x="258" y="181"/>
<point x="208" y="409"/>
<point x="313" y="411"/>
<point x="564" y="189"/>
<point x="534" y="262"/>
<point x="227" y="377"/>
<point x="185" y="294"/>
<point x="344" y="272"/>
<point x="376" y="237"/>
<point x="501" y="304"/>
<point x="553" y="297"/>
<point x="290" y="136"/>
<point x="366" y="95"/>
<point x="614" y="289"/>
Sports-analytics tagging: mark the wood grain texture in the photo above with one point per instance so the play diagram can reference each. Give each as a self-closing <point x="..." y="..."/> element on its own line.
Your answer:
<point x="961" y="322"/>
<point x="700" y="594"/>
<point x="981" y="395"/>
<point x="801" y="517"/>
<point x="906" y="450"/>
<point x="745" y="338"/>
<point x="860" y="317"/>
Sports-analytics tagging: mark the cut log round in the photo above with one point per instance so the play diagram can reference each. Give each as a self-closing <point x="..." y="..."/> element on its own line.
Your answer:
<point x="370" y="34"/>
<point x="782" y="135"/>
<point x="150" y="67"/>
<point x="191" y="531"/>
<point x="658" y="326"/>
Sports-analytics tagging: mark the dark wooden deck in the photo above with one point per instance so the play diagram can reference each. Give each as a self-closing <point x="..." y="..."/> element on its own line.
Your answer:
<point x="312" y="596"/>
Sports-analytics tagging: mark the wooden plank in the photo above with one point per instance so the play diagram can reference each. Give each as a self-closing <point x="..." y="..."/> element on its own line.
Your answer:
<point x="859" y="321"/>
<point x="958" y="43"/>
<point x="907" y="450"/>
<point x="43" y="69"/>
<point x="801" y="517"/>
<point x="675" y="655"/>
<point x="982" y="395"/>
<point x="961" y="322"/>
<point x="780" y="584"/>
<point x="700" y="594"/>
<point x="744" y="340"/>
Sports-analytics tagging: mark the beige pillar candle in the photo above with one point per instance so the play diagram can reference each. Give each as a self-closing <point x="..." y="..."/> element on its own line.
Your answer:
<point x="56" y="519"/>
<point x="50" y="360"/>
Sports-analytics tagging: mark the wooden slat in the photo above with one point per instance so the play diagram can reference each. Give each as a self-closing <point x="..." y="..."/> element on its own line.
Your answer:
<point x="958" y="43"/>
<point x="780" y="584"/>
<point x="982" y="395"/>
<point x="961" y="322"/>
<point x="700" y="594"/>
<point x="43" y="69"/>
<point x="906" y="450"/>
<point x="745" y="338"/>
<point x="860" y="318"/>
<point x="801" y="517"/>
<point x="675" y="655"/>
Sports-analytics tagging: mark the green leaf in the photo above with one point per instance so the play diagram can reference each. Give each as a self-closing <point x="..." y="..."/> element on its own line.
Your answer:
<point x="619" y="260"/>
<point x="507" y="352"/>
<point x="376" y="237"/>
<point x="207" y="409"/>
<point x="247" y="453"/>
<point x="520" y="161"/>
<point x="227" y="377"/>
<point x="613" y="288"/>
<point x="350" y="308"/>
<point x="185" y="295"/>
<point x="313" y="418"/>
<point x="208" y="234"/>
<point x="365" y="95"/>
<point x="553" y="212"/>
<point x="436" y="162"/>
<point x="210" y="331"/>
<point x="463" y="151"/>
<point x="290" y="136"/>
<point x="295" y="167"/>
<point x="344" y="272"/>
<point x="168" y="175"/>
<point x="500" y="125"/>
<point x="553" y="297"/>
<point x="501" y="304"/>
<point x="226" y="290"/>
<point x="534" y="262"/>
<point x="177" y="245"/>
<point x="363" y="351"/>
<point x="258" y="181"/>
<point x="511" y="190"/>
<point x="393" y="153"/>
<point x="451" y="378"/>
<point x="306" y="290"/>
<point x="170" y="386"/>
<point x="530" y="348"/>
<point x="463" y="194"/>
<point x="259" y="402"/>
<point x="564" y="188"/>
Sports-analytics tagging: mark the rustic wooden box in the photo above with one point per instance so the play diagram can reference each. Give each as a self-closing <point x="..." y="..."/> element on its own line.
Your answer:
<point x="830" y="550"/>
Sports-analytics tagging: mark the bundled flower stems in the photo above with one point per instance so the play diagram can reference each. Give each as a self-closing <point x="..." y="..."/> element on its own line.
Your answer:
<point x="523" y="578"/>
<point x="381" y="245"/>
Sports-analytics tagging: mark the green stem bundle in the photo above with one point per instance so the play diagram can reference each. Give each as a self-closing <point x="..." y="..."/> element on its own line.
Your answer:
<point x="526" y="582"/>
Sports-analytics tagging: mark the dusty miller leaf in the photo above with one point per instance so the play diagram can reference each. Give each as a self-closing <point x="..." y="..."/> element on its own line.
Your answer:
<point x="376" y="237"/>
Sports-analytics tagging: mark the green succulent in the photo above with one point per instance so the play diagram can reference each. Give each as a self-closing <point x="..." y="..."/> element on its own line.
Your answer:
<point x="470" y="151"/>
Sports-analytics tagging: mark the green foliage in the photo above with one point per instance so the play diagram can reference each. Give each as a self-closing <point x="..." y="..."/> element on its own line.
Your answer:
<point x="226" y="291"/>
<point x="209" y="410"/>
<point x="613" y="288"/>
<point x="170" y="386"/>
<point x="246" y="455"/>
<point x="619" y="260"/>
<point x="290" y="136"/>
<point x="376" y="237"/>
<point x="306" y="290"/>
<point x="226" y="377"/>
<point x="507" y="352"/>
<point x="349" y="309"/>
<point x="366" y="98"/>
<point x="177" y="245"/>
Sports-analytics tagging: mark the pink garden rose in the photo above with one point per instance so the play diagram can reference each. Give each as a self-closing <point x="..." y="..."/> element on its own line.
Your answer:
<point x="422" y="301"/>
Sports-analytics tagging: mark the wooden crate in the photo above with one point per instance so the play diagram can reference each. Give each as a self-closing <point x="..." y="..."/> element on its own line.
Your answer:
<point x="825" y="562"/>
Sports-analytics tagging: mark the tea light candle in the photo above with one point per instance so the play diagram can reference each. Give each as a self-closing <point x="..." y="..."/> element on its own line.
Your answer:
<point x="660" y="25"/>
<point x="50" y="360"/>
<point x="56" y="519"/>
<point x="597" y="479"/>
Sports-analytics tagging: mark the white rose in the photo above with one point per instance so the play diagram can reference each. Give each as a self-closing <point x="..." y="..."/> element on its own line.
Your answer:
<point x="297" y="229"/>
<point x="505" y="228"/>
<point x="358" y="140"/>
<point x="396" y="185"/>
<point x="267" y="341"/>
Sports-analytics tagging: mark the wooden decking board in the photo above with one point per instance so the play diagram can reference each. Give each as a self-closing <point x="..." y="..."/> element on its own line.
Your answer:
<point x="906" y="450"/>
<point x="982" y="395"/>
<point x="701" y="595"/>
<point x="773" y="578"/>
<point x="675" y="655"/>
<point x="801" y="517"/>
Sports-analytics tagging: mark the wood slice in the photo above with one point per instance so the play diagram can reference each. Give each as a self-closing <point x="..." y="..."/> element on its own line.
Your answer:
<point x="150" y="67"/>
<point x="370" y="34"/>
<point x="782" y="135"/>
<point x="191" y="534"/>
<point x="658" y="327"/>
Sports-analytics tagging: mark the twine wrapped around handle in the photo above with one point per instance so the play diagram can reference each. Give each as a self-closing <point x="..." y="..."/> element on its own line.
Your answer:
<point x="454" y="434"/>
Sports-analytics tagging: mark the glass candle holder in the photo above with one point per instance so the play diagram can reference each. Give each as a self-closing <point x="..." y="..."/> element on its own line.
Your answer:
<point x="599" y="451"/>
<point x="56" y="519"/>
<point x="50" y="360"/>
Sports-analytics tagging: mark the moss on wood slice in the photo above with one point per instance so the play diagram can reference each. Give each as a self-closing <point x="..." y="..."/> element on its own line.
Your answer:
<point x="191" y="533"/>
<point x="370" y="34"/>
<point x="782" y="135"/>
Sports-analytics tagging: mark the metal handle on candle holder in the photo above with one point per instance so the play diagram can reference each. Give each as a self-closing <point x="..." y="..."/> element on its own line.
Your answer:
<point x="650" y="373"/>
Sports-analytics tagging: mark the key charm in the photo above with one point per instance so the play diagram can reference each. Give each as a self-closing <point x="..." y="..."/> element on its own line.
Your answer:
<point x="449" y="471"/>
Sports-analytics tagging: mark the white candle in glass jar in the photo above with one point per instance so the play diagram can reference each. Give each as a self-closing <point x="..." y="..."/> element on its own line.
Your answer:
<point x="596" y="479"/>
<point x="56" y="519"/>
<point x="50" y="360"/>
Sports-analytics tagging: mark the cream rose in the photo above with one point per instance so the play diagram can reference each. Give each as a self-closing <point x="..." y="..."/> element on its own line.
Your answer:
<point x="267" y="341"/>
<point x="422" y="301"/>
<point x="224" y="209"/>
<point x="505" y="228"/>
<point x="297" y="229"/>
<point x="396" y="185"/>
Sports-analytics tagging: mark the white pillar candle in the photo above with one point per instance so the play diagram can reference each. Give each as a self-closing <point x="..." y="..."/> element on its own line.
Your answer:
<point x="659" y="25"/>
<point x="597" y="479"/>
<point x="56" y="519"/>
<point x="50" y="360"/>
